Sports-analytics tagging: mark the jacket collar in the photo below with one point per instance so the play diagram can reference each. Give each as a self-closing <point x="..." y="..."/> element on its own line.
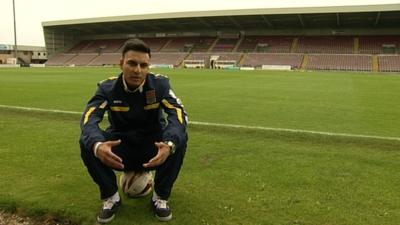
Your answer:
<point x="126" y="89"/>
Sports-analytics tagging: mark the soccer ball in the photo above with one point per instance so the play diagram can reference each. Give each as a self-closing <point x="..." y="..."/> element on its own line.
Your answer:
<point x="136" y="184"/>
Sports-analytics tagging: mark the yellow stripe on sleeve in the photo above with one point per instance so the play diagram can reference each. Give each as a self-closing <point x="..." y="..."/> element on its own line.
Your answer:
<point x="119" y="108"/>
<point x="103" y="105"/>
<point x="87" y="114"/>
<point x="152" y="106"/>
<point x="178" y="110"/>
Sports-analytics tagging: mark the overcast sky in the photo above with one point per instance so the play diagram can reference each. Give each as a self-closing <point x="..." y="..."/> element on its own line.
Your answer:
<point x="31" y="13"/>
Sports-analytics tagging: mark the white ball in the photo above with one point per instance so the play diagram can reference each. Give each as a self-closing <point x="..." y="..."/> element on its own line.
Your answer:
<point x="136" y="184"/>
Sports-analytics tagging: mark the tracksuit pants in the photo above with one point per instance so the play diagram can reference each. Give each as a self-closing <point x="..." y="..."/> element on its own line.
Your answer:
<point x="134" y="154"/>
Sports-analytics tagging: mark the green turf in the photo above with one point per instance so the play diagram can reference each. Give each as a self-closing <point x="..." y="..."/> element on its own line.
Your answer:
<point x="359" y="103"/>
<point x="230" y="176"/>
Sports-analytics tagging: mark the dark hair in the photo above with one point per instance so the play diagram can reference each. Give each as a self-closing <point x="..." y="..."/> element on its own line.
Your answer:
<point x="136" y="45"/>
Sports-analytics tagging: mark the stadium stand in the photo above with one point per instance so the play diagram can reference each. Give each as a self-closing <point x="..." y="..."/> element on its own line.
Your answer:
<point x="267" y="44"/>
<point x="389" y="63"/>
<point x="164" y="58"/>
<point x="331" y="45"/>
<point x="106" y="59"/>
<point x="80" y="46"/>
<point x="327" y="38"/>
<point x="156" y="43"/>
<point x="91" y="47"/>
<point x="181" y="44"/>
<point x="225" y="45"/>
<point x="82" y="59"/>
<point x="222" y="56"/>
<point x="99" y="46"/>
<point x="60" y="59"/>
<point x="349" y="62"/>
<point x="203" y="44"/>
<point x="379" y="45"/>
<point x="335" y="52"/>
<point x="157" y="58"/>
<point x="283" y="59"/>
<point x="225" y="56"/>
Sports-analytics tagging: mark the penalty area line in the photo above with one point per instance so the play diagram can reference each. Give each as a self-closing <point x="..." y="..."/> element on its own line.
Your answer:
<point x="227" y="125"/>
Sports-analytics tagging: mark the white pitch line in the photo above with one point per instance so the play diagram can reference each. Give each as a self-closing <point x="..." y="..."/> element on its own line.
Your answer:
<point x="296" y="131"/>
<point x="227" y="125"/>
<point x="39" y="109"/>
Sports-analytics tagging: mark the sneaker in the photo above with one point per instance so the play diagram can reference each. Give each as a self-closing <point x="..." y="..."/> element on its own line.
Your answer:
<point x="162" y="210"/>
<point x="107" y="212"/>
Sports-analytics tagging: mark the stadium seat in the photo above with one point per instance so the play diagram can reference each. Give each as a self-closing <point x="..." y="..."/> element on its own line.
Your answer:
<point x="378" y="44"/>
<point x="323" y="44"/>
<point x="60" y="59"/>
<point x="349" y="62"/>
<point x="282" y="59"/>
<point x="389" y="63"/>
<point x="273" y="44"/>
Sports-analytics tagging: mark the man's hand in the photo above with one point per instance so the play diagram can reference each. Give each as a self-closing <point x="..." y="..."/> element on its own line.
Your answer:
<point x="163" y="152"/>
<point x="107" y="157"/>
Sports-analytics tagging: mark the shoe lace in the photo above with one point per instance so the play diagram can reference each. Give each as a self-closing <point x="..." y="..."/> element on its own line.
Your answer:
<point x="108" y="204"/>
<point x="161" y="203"/>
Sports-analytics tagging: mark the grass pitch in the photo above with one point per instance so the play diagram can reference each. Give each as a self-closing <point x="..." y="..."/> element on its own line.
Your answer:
<point x="230" y="176"/>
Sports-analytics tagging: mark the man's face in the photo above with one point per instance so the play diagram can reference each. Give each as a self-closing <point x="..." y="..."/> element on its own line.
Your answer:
<point x="135" y="66"/>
